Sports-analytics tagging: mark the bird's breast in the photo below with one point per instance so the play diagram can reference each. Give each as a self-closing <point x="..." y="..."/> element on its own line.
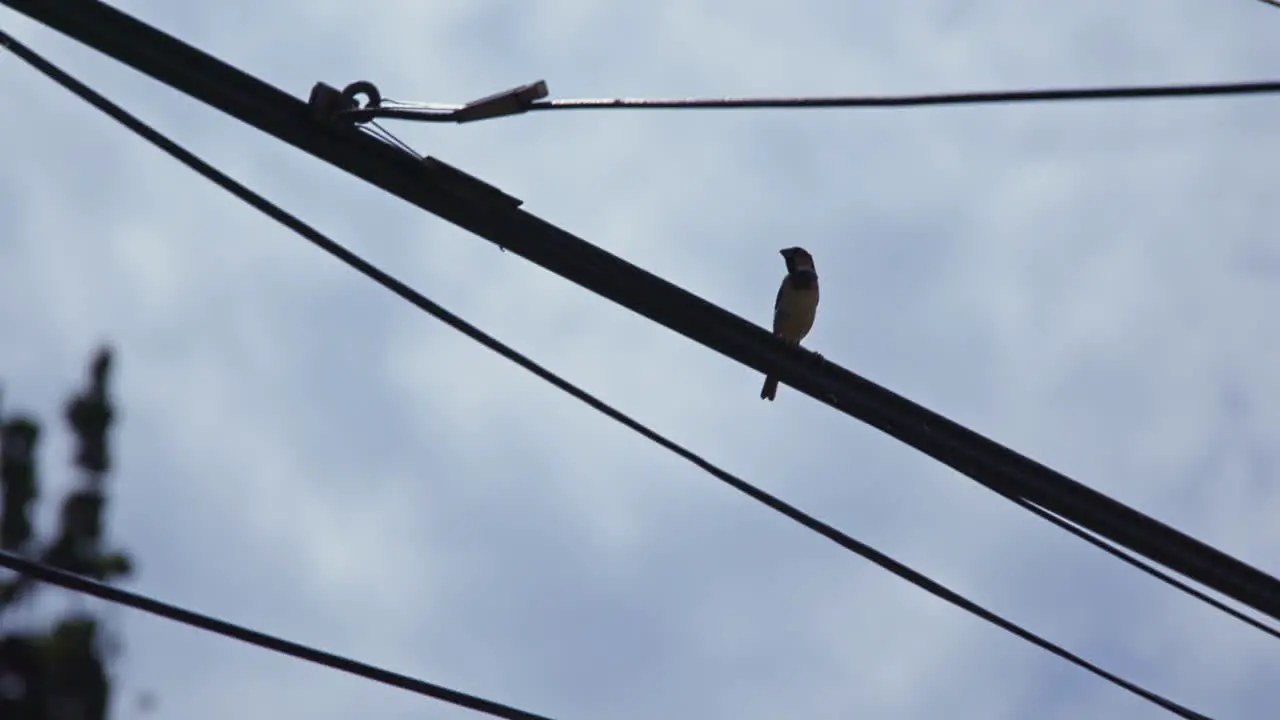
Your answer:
<point x="793" y="318"/>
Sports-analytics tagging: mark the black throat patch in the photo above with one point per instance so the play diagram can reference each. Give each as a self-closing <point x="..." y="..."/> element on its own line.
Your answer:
<point x="803" y="279"/>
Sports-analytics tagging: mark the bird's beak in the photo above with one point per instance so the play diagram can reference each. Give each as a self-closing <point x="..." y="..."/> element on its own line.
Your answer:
<point x="784" y="252"/>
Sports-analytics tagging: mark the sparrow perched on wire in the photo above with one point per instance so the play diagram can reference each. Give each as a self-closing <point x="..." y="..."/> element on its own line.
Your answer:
<point x="794" y="309"/>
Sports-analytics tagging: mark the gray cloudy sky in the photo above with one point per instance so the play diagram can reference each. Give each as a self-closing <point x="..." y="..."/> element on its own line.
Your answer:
<point x="303" y="453"/>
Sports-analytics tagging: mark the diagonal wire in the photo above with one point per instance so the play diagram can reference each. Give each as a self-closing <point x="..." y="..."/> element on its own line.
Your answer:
<point x="1153" y="571"/>
<point x="417" y="299"/>
<point x="385" y="135"/>
<point x="78" y="583"/>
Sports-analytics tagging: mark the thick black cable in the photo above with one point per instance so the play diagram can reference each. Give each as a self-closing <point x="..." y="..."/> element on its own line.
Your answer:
<point x="405" y="292"/>
<point x="81" y="584"/>
<point x="453" y="113"/>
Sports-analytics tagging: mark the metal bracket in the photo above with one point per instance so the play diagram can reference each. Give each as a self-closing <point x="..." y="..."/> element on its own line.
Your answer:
<point x="329" y="104"/>
<point x="508" y="102"/>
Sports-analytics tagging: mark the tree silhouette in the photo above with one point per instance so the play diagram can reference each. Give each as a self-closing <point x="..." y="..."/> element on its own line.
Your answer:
<point x="60" y="674"/>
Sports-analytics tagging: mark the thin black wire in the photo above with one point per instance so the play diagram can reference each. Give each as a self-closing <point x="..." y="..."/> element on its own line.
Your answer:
<point x="1144" y="567"/>
<point x="81" y="584"/>
<point x="385" y="135"/>
<point x="417" y="299"/>
<point x="967" y="98"/>
<point x="447" y="113"/>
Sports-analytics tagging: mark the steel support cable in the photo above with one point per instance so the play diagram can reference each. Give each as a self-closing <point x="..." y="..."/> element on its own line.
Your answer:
<point x="405" y="292"/>
<point x="985" y="461"/>
<point x="119" y="596"/>
<point x="446" y="113"/>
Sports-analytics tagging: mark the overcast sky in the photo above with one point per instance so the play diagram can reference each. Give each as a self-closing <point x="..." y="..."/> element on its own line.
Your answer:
<point x="302" y="452"/>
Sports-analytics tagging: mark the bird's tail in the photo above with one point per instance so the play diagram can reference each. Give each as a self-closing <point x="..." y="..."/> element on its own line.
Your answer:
<point x="770" y="389"/>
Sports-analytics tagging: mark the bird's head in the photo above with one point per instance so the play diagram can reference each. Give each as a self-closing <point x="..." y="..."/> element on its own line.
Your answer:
<point x="797" y="258"/>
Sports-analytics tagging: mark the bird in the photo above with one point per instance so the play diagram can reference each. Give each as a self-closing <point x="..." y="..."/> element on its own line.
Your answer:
<point x="795" y="306"/>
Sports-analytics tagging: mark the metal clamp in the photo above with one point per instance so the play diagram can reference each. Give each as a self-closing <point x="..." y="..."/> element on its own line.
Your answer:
<point x="329" y="104"/>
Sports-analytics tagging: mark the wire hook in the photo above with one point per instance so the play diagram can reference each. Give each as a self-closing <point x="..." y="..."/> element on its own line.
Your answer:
<point x="329" y="104"/>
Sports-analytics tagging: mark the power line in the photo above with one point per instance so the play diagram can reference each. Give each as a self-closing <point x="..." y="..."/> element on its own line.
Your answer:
<point x="471" y="204"/>
<point x="405" y="292"/>
<point x="81" y="584"/>
<point x="1164" y="577"/>
<point x="522" y="99"/>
